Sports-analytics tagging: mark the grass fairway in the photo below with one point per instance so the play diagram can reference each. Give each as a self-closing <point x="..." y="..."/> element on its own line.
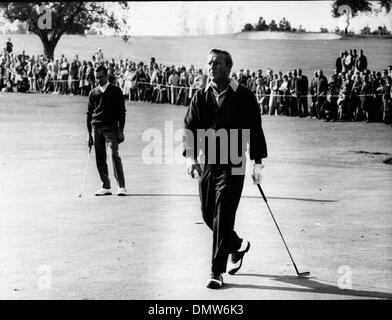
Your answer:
<point x="328" y="188"/>
<point x="281" y="55"/>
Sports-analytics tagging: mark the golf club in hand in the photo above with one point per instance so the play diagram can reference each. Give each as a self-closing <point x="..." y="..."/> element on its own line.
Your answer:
<point x="299" y="274"/>
<point x="85" y="171"/>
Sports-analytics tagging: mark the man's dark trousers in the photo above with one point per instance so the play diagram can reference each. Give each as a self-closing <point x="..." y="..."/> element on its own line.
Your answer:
<point x="302" y="106"/>
<point x="220" y="193"/>
<point x="320" y="101"/>
<point x="103" y="135"/>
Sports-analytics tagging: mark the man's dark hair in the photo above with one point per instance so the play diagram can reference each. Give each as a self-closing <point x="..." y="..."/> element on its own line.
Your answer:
<point x="228" y="59"/>
<point x="102" y="68"/>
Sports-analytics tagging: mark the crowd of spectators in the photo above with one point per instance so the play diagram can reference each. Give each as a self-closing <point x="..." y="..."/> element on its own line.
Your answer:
<point x="353" y="92"/>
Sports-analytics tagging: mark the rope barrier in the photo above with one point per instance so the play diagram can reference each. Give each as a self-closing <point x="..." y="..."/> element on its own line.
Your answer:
<point x="262" y="95"/>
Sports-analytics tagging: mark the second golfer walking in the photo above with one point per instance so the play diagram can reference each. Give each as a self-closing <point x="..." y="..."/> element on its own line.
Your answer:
<point x="222" y="107"/>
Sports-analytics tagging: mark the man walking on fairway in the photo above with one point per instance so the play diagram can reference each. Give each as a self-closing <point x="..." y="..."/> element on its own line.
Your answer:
<point x="105" y="125"/>
<point x="227" y="110"/>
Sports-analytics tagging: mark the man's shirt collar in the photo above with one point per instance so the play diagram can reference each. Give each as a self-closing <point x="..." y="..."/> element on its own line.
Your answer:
<point x="103" y="88"/>
<point x="233" y="84"/>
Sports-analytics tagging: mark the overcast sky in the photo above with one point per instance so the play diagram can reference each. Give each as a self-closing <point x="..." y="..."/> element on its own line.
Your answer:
<point x="209" y="17"/>
<point x="165" y="18"/>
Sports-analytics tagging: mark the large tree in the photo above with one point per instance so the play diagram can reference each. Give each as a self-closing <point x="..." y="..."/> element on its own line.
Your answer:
<point x="354" y="7"/>
<point x="66" y="18"/>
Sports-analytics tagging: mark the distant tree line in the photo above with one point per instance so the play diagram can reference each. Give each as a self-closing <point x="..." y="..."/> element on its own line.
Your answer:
<point x="355" y="7"/>
<point x="379" y="31"/>
<point x="284" y="25"/>
<point x="262" y="25"/>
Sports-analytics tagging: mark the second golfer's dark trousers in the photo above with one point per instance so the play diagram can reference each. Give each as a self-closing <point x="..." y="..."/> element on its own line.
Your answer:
<point x="220" y="194"/>
<point x="103" y="135"/>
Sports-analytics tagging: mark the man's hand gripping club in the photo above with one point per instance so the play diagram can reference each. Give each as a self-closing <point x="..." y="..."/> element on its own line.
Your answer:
<point x="193" y="166"/>
<point x="257" y="174"/>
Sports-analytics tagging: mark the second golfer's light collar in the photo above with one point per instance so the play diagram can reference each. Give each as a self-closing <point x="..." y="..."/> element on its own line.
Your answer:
<point x="104" y="87"/>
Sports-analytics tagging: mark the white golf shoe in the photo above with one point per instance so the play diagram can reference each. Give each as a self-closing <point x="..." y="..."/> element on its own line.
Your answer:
<point x="103" y="192"/>
<point x="121" y="191"/>
<point x="238" y="256"/>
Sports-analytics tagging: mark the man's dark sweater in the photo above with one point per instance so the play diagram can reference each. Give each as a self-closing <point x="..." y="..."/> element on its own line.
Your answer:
<point x="301" y="85"/>
<point x="239" y="110"/>
<point x="106" y="109"/>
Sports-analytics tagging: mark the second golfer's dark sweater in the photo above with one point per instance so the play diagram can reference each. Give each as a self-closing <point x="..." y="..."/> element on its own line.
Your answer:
<point x="106" y="108"/>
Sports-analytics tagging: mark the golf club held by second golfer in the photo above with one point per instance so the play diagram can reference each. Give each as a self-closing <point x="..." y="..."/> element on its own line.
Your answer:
<point x="85" y="172"/>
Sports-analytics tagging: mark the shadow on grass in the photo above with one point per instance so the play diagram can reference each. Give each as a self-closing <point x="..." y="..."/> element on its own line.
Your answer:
<point x="308" y="286"/>
<point x="245" y="197"/>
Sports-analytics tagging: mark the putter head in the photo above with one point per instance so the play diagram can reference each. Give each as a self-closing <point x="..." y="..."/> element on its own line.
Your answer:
<point x="303" y="274"/>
